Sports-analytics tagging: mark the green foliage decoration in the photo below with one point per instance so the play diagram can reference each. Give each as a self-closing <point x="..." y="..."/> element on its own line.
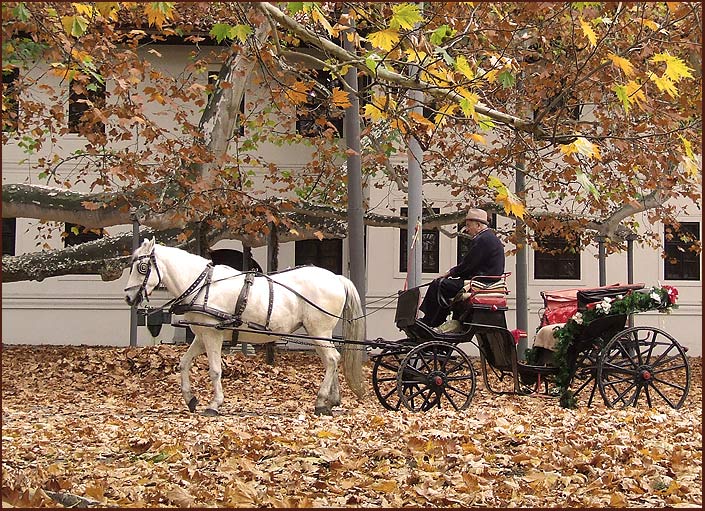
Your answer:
<point x="660" y="298"/>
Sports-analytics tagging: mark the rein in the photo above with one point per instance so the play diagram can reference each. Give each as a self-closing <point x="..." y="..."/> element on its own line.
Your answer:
<point x="204" y="280"/>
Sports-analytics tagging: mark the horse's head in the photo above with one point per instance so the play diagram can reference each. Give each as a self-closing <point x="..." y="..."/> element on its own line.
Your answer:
<point x="144" y="273"/>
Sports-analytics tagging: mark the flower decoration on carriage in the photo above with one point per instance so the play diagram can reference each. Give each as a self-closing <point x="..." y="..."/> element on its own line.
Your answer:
<point x="672" y="293"/>
<point x="578" y="318"/>
<point x="604" y="306"/>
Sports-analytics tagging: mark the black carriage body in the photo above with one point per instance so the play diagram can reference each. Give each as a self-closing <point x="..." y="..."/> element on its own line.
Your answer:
<point x="428" y="367"/>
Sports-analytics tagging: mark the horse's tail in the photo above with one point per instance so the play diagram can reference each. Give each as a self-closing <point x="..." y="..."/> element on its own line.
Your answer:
<point x="354" y="329"/>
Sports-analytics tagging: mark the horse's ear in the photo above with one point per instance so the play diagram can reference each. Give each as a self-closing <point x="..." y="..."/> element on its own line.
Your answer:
<point x="150" y="245"/>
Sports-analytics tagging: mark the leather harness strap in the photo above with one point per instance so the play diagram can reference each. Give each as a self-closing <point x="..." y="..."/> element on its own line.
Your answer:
<point x="242" y="299"/>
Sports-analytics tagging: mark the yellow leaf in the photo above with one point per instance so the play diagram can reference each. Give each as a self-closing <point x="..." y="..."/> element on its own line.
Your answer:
<point x="84" y="9"/>
<point x="480" y="139"/>
<point x="691" y="167"/>
<point x="388" y="486"/>
<point x="319" y="235"/>
<point x="635" y="92"/>
<point x="327" y="434"/>
<point x="444" y="112"/>
<point x="318" y="16"/>
<point x="461" y="65"/>
<point x="676" y="68"/>
<point x="651" y="24"/>
<point x="494" y="182"/>
<point x="384" y="39"/>
<point x="511" y="203"/>
<point x="158" y="12"/>
<point x="491" y="75"/>
<point x="582" y="146"/>
<point x="340" y="98"/>
<point x="398" y="124"/>
<point x="376" y="108"/>
<point x="588" y="32"/>
<point x="415" y="55"/>
<point x="420" y="119"/>
<point x="622" y="63"/>
<point x="687" y="147"/>
<point x="664" y="84"/>
<point x="297" y="93"/>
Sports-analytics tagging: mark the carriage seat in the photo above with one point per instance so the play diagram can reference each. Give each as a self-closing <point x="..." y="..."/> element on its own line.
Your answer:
<point x="479" y="294"/>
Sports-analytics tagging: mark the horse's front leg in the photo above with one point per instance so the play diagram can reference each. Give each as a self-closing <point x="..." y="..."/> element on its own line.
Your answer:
<point x="329" y="393"/>
<point x="213" y="344"/>
<point x="194" y="350"/>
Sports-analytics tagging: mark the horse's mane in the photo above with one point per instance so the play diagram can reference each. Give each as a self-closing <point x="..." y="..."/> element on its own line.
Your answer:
<point x="184" y="252"/>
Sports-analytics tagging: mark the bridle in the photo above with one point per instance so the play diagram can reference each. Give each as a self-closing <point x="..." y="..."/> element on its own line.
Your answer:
<point x="144" y="267"/>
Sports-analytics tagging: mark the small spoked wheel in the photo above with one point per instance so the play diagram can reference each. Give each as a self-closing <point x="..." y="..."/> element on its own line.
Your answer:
<point x="583" y="383"/>
<point x="384" y="376"/>
<point x="436" y="374"/>
<point x="643" y="362"/>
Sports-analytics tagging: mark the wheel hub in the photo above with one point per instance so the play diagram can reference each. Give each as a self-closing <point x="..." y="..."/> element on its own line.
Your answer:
<point x="437" y="379"/>
<point x="645" y="374"/>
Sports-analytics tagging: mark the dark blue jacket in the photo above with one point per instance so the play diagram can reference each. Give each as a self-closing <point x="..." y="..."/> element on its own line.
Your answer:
<point x="485" y="257"/>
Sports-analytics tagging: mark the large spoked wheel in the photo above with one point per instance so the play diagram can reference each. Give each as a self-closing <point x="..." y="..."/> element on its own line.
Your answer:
<point x="643" y="362"/>
<point x="583" y="384"/>
<point x="435" y="372"/>
<point x="384" y="376"/>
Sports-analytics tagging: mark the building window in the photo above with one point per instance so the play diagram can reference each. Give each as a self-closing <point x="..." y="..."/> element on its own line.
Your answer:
<point x="76" y="234"/>
<point x="681" y="262"/>
<point x="10" y="105"/>
<point x="82" y="98"/>
<point x="430" y="247"/>
<point x="9" y="232"/>
<point x="556" y="258"/>
<point x="464" y="242"/>
<point x="212" y="78"/>
<point x="314" y="116"/>
<point x="327" y="253"/>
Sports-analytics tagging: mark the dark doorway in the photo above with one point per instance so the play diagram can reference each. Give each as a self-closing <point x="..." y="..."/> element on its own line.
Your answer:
<point x="232" y="258"/>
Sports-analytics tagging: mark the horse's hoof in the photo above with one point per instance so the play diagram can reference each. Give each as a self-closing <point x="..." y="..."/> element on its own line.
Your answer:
<point x="192" y="404"/>
<point x="209" y="412"/>
<point x="323" y="410"/>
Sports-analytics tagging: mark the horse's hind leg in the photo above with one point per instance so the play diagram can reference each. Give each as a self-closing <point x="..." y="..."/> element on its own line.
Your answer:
<point x="195" y="349"/>
<point x="329" y="392"/>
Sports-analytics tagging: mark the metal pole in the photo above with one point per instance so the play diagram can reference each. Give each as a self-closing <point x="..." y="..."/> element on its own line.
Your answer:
<point x="521" y="267"/>
<point x="601" y="256"/>
<point x="247" y="349"/>
<point x="630" y="268"/>
<point x="135" y="246"/>
<point x="272" y="266"/>
<point x="414" y="225"/>
<point x="356" y="212"/>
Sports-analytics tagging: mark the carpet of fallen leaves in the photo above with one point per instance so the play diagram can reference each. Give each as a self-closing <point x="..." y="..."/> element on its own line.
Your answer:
<point x="107" y="427"/>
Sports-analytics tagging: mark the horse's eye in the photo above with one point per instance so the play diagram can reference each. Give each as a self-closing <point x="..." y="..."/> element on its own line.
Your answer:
<point x="143" y="267"/>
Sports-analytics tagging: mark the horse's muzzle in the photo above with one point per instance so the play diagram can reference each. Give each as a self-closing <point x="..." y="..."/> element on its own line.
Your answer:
<point x="131" y="297"/>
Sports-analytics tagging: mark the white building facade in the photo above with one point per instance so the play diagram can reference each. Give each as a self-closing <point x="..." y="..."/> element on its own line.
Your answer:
<point x="84" y="310"/>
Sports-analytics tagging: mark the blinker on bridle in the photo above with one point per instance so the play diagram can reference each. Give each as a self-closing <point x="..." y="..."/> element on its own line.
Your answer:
<point x="144" y="266"/>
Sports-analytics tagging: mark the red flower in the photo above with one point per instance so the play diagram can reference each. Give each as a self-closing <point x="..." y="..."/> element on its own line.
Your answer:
<point x="672" y="294"/>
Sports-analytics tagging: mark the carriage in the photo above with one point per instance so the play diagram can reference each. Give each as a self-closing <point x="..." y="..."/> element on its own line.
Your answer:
<point x="596" y="350"/>
<point x="625" y="364"/>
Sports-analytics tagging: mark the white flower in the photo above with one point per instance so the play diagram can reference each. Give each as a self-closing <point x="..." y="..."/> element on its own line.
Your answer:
<point x="578" y="318"/>
<point x="604" y="306"/>
<point x="655" y="297"/>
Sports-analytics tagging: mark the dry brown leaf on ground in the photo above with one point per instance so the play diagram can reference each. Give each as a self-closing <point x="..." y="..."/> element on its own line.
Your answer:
<point x="108" y="425"/>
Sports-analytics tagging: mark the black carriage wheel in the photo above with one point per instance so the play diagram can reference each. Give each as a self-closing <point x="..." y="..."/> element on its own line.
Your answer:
<point x="384" y="377"/>
<point x="643" y="362"/>
<point x="434" y="372"/>
<point x="583" y="383"/>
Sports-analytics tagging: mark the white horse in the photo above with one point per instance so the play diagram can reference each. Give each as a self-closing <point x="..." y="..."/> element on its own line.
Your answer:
<point x="308" y="297"/>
